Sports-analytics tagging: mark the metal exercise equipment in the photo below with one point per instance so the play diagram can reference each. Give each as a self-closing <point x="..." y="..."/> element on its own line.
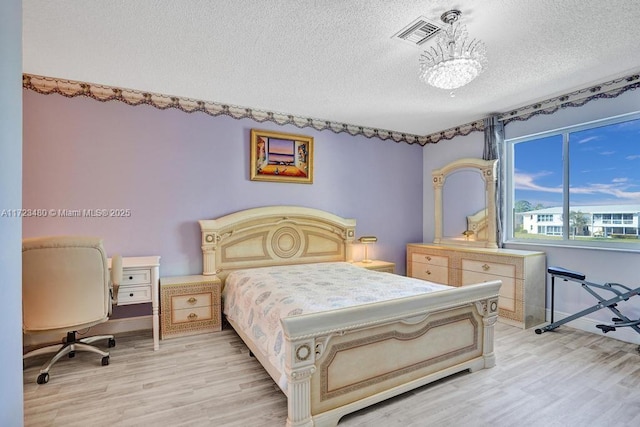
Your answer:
<point x="618" y="293"/>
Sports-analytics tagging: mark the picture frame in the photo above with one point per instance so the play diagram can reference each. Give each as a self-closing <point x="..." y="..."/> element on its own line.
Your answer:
<point x="281" y="157"/>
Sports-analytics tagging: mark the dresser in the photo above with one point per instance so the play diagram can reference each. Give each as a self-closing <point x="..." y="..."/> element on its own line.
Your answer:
<point x="190" y="305"/>
<point x="139" y="285"/>
<point x="522" y="294"/>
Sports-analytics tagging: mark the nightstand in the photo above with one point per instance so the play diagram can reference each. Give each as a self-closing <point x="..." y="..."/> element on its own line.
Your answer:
<point x="189" y="305"/>
<point x="377" y="265"/>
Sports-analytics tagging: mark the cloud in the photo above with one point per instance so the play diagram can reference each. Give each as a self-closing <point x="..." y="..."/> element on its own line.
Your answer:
<point x="633" y="157"/>
<point x="618" y="188"/>
<point x="587" y="139"/>
<point x="525" y="181"/>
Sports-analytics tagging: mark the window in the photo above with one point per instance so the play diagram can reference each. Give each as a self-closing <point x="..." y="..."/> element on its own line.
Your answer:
<point x="577" y="185"/>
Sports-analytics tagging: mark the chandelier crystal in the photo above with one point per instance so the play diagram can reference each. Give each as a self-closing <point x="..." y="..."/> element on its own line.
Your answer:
<point x="454" y="61"/>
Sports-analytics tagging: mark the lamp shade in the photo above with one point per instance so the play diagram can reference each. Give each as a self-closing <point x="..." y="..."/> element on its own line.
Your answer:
<point x="368" y="239"/>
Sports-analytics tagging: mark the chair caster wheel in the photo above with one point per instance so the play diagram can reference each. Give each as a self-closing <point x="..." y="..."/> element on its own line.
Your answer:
<point x="43" y="378"/>
<point x="72" y="354"/>
<point x="112" y="342"/>
<point x="105" y="361"/>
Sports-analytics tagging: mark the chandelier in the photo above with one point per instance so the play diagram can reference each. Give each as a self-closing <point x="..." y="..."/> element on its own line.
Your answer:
<point x="453" y="61"/>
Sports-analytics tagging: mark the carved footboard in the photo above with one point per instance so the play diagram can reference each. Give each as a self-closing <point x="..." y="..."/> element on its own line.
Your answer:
<point x="344" y="360"/>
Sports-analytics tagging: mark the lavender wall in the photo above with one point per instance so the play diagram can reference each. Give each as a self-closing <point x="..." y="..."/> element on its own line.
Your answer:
<point x="171" y="169"/>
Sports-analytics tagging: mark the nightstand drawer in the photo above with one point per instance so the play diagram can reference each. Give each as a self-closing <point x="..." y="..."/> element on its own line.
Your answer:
<point x="134" y="294"/>
<point x="191" y="301"/>
<point x="136" y="277"/>
<point x="193" y="314"/>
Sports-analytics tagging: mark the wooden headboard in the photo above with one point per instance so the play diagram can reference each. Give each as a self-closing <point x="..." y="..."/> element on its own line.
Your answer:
<point x="274" y="235"/>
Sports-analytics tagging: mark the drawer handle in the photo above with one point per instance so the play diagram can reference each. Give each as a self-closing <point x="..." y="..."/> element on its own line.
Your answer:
<point x="192" y="316"/>
<point x="428" y="273"/>
<point x="130" y="277"/>
<point x="486" y="267"/>
<point x="428" y="258"/>
<point x="131" y="294"/>
<point x="192" y="300"/>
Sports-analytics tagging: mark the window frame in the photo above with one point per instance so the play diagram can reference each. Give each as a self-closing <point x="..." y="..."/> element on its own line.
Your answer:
<point x="509" y="190"/>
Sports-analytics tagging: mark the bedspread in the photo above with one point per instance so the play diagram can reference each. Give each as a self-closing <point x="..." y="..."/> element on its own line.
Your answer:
<point x="256" y="299"/>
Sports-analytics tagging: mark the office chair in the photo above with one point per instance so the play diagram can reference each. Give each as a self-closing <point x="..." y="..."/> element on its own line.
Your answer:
<point x="67" y="287"/>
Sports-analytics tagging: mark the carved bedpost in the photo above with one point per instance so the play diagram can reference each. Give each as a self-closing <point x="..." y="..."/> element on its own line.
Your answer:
<point x="210" y="241"/>
<point x="299" y="366"/>
<point x="438" y="182"/>
<point x="349" y="244"/>
<point x="208" y="260"/>
<point x="489" y="311"/>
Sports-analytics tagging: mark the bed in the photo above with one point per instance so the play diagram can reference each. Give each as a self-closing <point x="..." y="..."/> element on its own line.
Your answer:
<point x="336" y="359"/>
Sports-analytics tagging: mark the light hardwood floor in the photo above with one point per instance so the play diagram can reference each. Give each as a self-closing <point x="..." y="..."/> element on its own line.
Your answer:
<point x="561" y="378"/>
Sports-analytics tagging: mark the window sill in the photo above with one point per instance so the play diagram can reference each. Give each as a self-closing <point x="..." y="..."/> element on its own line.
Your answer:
<point x="540" y="244"/>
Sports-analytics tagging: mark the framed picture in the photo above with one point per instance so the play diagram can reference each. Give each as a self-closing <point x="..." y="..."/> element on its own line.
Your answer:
<point x="281" y="157"/>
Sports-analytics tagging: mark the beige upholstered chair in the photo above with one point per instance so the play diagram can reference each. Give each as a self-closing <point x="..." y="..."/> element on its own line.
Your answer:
<point x="66" y="288"/>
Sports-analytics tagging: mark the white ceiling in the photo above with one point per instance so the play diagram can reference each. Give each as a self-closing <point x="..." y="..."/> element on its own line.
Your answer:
<point x="332" y="60"/>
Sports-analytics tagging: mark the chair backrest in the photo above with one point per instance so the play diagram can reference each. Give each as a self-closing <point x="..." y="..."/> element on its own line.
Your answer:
<point x="65" y="283"/>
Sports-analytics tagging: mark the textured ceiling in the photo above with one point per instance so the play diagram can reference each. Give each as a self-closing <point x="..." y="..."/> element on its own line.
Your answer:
<point x="331" y="59"/>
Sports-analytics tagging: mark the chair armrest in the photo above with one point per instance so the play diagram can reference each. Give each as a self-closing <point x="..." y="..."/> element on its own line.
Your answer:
<point x="116" y="277"/>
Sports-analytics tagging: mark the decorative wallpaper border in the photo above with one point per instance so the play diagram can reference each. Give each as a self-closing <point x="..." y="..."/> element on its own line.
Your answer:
<point x="70" y="89"/>
<point x="610" y="89"/>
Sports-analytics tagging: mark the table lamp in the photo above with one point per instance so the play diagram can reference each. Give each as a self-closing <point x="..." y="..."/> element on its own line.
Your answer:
<point x="366" y="241"/>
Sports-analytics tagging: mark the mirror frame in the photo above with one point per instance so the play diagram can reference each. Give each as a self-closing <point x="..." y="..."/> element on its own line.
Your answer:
<point x="488" y="170"/>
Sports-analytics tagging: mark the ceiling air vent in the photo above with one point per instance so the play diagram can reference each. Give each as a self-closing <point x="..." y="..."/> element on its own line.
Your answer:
<point x="418" y="32"/>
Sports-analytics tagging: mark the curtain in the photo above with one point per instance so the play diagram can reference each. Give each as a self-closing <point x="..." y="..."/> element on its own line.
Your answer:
<point x="493" y="149"/>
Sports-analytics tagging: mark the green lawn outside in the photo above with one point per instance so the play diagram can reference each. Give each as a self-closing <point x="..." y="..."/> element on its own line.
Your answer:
<point x="527" y="236"/>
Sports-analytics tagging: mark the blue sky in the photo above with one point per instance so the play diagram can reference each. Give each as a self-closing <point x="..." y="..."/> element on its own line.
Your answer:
<point x="605" y="167"/>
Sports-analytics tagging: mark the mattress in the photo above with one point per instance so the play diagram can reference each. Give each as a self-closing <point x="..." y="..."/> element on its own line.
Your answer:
<point x="256" y="299"/>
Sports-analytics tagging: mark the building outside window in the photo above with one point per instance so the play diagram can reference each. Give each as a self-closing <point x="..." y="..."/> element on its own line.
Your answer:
<point x="577" y="185"/>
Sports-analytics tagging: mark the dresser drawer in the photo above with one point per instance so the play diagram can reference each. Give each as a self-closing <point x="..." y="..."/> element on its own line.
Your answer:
<point x="136" y="277"/>
<point x="432" y="273"/>
<point x="492" y="268"/>
<point x="134" y="294"/>
<point x="507" y="290"/>
<point x="441" y="261"/>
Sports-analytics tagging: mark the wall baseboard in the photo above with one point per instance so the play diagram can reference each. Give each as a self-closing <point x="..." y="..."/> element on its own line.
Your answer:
<point x="112" y="326"/>
<point x="131" y="324"/>
<point x="589" y="325"/>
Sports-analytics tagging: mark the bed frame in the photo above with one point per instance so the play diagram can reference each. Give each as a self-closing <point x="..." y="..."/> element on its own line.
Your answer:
<point x="340" y="361"/>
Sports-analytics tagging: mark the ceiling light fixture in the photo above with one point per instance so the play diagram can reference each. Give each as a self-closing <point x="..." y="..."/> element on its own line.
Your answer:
<point x="454" y="61"/>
